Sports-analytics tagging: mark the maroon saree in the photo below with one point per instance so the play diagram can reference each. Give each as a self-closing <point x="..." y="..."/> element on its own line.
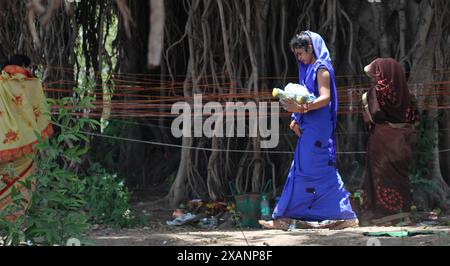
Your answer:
<point x="392" y="115"/>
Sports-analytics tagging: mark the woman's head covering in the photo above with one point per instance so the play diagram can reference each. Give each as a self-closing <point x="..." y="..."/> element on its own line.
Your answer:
<point x="18" y="64"/>
<point x="322" y="58"/>
<point x="14" y="69"/>
<point x="392" y="93"/>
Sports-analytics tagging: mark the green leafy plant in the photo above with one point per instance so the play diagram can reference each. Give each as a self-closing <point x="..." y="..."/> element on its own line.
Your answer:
<point x="66" y="199"/>
<point x="108" y="199"/>
<point x="55" y="212"/>
<point x="12" y="231"/>
<point x="426" y="142"/>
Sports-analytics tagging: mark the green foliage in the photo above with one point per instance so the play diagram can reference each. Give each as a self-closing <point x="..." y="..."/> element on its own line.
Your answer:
<point x="423" y="157"/>
<point x="12" y="231"/>
<point x="109" y="148"/>
<point x="55" y="211"/>
<point x="65" y="200"/>
<point x="108" y="199"/>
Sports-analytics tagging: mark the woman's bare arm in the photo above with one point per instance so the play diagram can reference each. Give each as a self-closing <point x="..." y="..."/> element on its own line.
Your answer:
<point x="324" y="81"/>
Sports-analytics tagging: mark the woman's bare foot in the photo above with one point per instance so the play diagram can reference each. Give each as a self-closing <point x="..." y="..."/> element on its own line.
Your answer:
<point x="345" y="224"/>
<point x="278" y="224"/>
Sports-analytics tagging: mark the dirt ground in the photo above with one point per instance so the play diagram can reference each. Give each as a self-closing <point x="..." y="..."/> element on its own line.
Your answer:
<point x="348" y="237"/>
<point x="157" y="233"/>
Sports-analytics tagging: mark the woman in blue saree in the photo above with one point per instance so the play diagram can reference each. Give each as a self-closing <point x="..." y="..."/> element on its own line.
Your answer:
<point x="314" y="191"/>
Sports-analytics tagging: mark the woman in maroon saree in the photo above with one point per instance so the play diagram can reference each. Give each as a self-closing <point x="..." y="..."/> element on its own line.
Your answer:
<point x="391" y="115"/>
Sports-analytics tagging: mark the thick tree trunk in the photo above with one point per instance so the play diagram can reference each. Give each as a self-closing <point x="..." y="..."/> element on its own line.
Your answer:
<point x="422" y="72"/>
<point x="178" y="192"/>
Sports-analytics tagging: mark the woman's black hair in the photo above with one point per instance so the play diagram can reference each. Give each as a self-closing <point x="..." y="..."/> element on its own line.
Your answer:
<point x="19" y="60"/>
<point x="301" y="41"/>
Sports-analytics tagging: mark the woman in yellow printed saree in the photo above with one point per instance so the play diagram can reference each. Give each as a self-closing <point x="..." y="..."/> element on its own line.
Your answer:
<point x="23" y="112"/>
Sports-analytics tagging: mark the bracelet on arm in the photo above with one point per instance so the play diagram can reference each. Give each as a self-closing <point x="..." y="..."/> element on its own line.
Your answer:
<point x="305" y="108"/>
<point x="301" y="109"/>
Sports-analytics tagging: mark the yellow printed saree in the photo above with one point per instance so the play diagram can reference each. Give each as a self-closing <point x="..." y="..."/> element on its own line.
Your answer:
<point x="23" y="112"/>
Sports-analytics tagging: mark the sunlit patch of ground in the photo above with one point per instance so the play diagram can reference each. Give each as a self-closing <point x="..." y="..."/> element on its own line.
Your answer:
<point x="188" y="236"/>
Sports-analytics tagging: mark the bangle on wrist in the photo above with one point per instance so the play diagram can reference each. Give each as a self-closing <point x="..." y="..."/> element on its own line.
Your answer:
<point x="304" y="108"/>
